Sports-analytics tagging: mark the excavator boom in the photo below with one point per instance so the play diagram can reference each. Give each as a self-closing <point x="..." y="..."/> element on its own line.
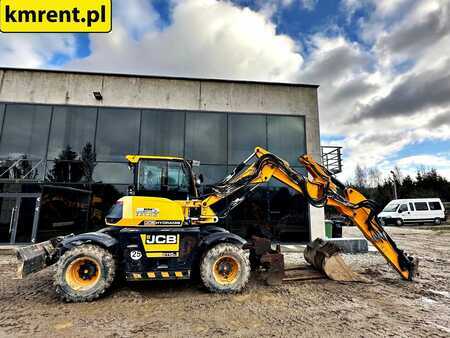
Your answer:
<point x="320" y="188"/>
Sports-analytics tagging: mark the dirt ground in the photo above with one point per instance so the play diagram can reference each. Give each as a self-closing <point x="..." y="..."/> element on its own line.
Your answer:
<point x="387" y="306"/>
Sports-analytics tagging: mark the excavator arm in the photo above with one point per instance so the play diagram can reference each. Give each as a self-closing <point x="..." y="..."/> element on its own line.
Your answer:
<point x="320" y="188"/>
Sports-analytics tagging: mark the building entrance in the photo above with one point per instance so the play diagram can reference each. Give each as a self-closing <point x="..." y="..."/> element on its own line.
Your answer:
<point x="19" y="215"/>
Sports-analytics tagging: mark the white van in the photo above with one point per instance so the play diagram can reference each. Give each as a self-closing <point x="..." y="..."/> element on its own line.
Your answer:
<point x="417" y="210"/>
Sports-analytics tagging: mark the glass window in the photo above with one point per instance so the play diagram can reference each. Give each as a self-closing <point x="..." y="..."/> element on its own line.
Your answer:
<point x="117" y="133"/>
<point x="245" y="132"/>
<point x="421" y="206"/>
<point x="75" y="171"/>
<point x="2" y="111"/>
<point x="288" y="213"/>
<point x="212" y="173"/>
<point x="391" y="207"/>
<point x="435" y="206"/>
<point x="112" y="173"/>
<point x="73" y="128"/>
<point x="206" y="137"/>
<point x="403" y="208"/>
<point x="151" y="175"/>
<point x="411" y="206"/>
<point x="162" y="133"/>
<point x="177" y="179"/>
<point x="286" y="137"/>
<point x="25" y="131"/>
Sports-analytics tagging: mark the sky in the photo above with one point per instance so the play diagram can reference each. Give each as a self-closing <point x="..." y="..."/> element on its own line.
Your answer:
<point x="383" y="66"/>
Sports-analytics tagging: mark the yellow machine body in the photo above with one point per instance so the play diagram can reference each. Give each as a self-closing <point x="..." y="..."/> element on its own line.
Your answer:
<point x="150" y="212"/>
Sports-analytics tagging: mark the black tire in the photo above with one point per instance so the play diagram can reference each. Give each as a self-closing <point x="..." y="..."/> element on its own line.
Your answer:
<point x="437" y="221"/>
<point x="101" y="268"/>
<point x="399" y="222"/>
<point x="219" y="257"/>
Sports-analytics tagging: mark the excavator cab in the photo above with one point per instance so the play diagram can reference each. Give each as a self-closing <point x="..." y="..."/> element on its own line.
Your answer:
<point x="160" y="176"/>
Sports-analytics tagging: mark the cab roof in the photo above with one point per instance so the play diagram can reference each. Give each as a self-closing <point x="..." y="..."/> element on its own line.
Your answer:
<point x="136" y="158"/>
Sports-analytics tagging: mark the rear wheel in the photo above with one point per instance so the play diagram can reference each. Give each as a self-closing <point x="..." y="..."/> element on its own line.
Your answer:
<point x="84" y="273"/>
<point x="437" y="221"/>
<point x="225" y="268"/>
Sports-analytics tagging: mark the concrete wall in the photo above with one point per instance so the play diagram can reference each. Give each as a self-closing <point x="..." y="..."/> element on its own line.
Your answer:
<point x="170" y="93"/>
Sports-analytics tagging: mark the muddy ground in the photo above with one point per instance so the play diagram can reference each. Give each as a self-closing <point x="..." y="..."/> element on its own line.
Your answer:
<point x="387" y="306"/>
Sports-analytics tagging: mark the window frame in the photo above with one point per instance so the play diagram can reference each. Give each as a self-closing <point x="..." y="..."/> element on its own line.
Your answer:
<point x="419" y="209"/>
<point x="434" y="203"/>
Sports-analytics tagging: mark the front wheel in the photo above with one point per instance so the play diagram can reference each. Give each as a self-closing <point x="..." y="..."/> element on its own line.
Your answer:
<point x="84" y="273"/>
<point x="225" y="268"/>
<point x="399" y="222"/>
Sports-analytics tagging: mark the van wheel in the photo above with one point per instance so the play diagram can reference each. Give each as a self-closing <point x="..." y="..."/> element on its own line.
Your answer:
<point x="84" y="273"/>
<point x="399" y="222"/>
<point x="437" y="221"/>
<point x="225" y="268"/>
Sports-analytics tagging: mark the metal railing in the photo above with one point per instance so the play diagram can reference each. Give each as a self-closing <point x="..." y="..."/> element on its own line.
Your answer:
<point x="332" y="158"/>
<point x="21" y="168"/>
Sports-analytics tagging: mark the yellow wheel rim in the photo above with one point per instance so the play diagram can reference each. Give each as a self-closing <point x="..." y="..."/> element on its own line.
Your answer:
<point x="83" y="273"/>
<point x="226" y="270"/>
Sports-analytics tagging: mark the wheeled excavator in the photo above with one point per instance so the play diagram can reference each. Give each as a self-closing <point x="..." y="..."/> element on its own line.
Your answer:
<point x="164" y="230"/>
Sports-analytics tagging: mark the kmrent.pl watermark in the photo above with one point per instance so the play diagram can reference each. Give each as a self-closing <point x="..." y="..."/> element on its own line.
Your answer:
<point x="55" y="16"/>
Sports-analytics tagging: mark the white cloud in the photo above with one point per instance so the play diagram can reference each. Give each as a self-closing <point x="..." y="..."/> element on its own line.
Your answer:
<point x="34" y="50"/>
<point x="411" y="164"/>
<point x="308" y="4"/>
<point x="206" y="38"/>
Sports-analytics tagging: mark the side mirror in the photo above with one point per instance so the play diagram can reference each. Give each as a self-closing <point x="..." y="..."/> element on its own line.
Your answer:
<point x="199" y="180"/>
<point x="131" y="190"/>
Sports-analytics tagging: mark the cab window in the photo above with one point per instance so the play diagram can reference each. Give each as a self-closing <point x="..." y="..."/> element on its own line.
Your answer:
<point x="151" y="175"/>
<point x="169" y="179"/>
<point x="177" y="177"/>
<point x="403" y="208"/>
<point x="411" y="206"/>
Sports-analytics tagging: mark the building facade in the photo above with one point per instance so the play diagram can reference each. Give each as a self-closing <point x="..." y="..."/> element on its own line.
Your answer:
<point x="72" y="130"/>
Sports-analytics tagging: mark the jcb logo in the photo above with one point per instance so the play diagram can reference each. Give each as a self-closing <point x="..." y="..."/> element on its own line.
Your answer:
<point x="162" y="239"/>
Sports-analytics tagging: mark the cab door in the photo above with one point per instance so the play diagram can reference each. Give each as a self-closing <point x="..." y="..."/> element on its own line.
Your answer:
<point x="404" y="212"/>
<point x="407" y="214"/>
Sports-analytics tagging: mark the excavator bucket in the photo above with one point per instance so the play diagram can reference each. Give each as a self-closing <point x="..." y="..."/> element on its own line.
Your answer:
<point x="324" y="257"/>
<point x="34" y="258"/>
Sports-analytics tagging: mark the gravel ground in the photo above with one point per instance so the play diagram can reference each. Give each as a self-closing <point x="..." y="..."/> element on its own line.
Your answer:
<point x="387" y="306"/>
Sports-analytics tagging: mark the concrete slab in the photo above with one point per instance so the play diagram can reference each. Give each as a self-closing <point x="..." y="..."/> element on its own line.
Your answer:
<point x="350" y="245"/>
<point x="8" y="249"/>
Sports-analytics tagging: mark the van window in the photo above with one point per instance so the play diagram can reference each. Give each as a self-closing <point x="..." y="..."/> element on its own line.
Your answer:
<point x="435" y="205"/>
<point x="411" y="206"/>
<point x="390" y="207"/>
<point x="403" y="208"/>
<point x="421" y="206"/>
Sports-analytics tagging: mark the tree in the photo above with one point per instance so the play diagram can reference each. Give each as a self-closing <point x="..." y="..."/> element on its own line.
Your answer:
<point x="67" y="167"/>
<point x="374" y="176"/>
<point x="360" y="177"/>
<point x="89" y="158"/>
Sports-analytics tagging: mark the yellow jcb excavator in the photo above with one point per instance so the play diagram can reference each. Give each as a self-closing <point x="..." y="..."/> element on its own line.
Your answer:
<point x="164" y="230"/>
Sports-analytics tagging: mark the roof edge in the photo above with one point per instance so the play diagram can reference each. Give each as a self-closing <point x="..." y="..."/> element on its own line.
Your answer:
<point x="166" y="77"/>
